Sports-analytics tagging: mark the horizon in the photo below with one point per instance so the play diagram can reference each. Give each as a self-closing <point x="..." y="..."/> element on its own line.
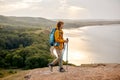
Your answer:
<point x="63" y="18"/>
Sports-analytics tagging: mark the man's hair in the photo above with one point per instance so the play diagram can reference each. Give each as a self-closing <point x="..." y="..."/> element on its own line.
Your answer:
<point x="59" y="24"/>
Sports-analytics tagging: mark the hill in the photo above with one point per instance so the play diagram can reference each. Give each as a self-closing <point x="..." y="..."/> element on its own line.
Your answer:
<point x="91" y="72"/>
<point x="30" y="22"/>
<point x="47" y="23"/>
<point x="26" y="21"/>
<point x="69" y="23"/>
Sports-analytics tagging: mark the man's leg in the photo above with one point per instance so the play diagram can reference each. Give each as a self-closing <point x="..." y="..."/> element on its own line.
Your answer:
<point x="51" y="50"/>
<point x="52" y="53"/>
<point x="55" y="61"/>
<point x="57" y="58"/>
<point x="60" y="59"/>
<point x="61" y="69"/>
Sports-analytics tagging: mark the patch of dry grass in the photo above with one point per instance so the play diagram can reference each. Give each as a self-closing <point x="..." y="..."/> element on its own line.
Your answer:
<point x="13" y="74"/>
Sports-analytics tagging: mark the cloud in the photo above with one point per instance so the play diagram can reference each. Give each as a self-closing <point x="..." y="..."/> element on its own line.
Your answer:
<point x="32" y="0"/>
<point x="69" y="11"/>
<point x="66" y="10"/>
<point x="74" y="9"/>
<point x="99" y="9"/>
<point x="63" y="4"/>
<point x="75" y="12"/>
<point x="12" y="7"/>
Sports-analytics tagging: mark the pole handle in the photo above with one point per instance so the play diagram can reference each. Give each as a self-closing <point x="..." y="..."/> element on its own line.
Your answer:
<point x="67" y="39"/>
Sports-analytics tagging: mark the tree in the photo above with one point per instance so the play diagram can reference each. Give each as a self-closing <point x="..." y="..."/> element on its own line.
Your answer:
<point x="36" y="62"/>
<point x="17" y="61"/>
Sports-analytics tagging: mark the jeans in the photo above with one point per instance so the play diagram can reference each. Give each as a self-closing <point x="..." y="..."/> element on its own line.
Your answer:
<point x="59" y="58"/>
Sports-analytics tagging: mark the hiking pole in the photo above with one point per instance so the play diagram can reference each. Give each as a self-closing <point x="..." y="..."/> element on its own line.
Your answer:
<point x="61" y="58"/>
<point x="67" y="56"/>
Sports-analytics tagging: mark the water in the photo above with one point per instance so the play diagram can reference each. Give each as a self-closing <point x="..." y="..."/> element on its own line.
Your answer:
<point x="94" y="44"/>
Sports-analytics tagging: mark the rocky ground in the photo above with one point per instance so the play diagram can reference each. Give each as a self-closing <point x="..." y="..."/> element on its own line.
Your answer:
<point x="84" y="72"/>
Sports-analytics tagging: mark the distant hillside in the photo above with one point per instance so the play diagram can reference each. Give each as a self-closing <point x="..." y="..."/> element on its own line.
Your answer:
<point x="26" y="21"/>
<point x="30" y="22"/>
<point x="46" y="23"/>
<point x="69" y="23"/>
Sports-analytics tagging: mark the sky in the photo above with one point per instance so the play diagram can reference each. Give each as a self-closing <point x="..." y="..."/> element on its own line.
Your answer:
<point x="62" y="9"/>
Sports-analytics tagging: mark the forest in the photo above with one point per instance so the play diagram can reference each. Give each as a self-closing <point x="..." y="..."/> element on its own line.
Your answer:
<point x="21" y="47"/>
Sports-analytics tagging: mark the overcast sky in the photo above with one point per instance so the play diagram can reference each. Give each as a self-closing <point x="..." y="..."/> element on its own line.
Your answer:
<point x="58" y="9"/>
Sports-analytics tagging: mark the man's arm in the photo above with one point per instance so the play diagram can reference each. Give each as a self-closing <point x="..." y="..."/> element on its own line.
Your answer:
<point x="57" y="37"/>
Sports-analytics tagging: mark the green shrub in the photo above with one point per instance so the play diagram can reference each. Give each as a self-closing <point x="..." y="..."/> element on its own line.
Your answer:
<point x="17" y="61"/>
<point x="20" y="48"/>
<point x="12" y="71"/>
<point x="36" y="62"/>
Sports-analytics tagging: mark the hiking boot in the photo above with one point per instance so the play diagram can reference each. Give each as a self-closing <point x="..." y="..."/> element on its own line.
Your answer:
<point x="50" y="65"/>
<point x="61" y="69"/>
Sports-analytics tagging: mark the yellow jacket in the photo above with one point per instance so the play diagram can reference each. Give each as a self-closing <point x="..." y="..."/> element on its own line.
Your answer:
<point x="59" y="38"/>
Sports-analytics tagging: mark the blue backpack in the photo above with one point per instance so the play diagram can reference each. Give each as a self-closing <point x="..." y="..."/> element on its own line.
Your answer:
<point x="52" y="38"/>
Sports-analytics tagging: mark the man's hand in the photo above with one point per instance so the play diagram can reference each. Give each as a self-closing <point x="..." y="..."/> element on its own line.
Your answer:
<point x="67" y="40"/>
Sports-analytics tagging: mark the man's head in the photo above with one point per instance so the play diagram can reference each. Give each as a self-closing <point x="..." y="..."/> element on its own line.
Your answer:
<point x="60" y="25"/>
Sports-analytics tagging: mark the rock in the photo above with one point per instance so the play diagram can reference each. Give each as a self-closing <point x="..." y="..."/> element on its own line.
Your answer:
<point x="27" y="77"/>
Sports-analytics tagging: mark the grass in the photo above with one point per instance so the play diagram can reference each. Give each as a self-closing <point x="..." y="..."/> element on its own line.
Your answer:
<point x="12" y="74"/>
